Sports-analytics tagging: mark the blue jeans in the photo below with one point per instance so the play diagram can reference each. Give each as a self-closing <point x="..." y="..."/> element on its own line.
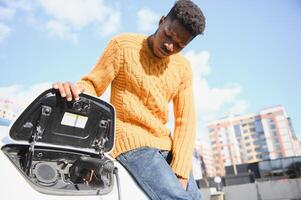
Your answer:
<point x="150" y="168"/>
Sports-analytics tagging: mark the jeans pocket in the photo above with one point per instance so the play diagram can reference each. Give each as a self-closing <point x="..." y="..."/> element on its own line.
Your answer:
<point x="164" y="153"/>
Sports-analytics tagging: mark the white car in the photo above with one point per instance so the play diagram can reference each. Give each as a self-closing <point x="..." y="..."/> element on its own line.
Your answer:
<point x="59" y="150"/>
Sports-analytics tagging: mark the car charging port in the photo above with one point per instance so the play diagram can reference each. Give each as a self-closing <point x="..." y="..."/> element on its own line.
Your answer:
<point x="92" y="171"/>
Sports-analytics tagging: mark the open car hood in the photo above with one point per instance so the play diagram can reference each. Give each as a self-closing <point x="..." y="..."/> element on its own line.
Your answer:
<point x="88" y="123"/>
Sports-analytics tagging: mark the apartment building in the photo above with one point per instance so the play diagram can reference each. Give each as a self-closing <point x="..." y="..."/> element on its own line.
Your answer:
<point x="249" y="138"/>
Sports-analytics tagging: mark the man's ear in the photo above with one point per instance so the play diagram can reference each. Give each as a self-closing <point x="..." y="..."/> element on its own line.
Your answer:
<point x="161" y="20"/>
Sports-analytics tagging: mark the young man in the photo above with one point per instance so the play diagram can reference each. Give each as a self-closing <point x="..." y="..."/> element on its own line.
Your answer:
<point x="146" y="73"/>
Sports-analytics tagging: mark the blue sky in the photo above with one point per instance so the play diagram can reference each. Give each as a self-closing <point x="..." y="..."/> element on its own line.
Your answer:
<point x="247" y="59"/>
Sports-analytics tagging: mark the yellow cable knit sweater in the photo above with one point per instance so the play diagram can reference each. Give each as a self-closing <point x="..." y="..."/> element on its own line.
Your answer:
<point x="142" y="86"/>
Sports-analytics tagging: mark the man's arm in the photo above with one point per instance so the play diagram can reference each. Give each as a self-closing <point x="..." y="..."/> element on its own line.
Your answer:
<point x="184" y="131"/>
<point x="98" y="79"/>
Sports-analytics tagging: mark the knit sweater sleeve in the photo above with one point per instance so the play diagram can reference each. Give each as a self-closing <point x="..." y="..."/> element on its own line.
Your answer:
<point x="184" y="130"/>
<point x="104" y="71"/>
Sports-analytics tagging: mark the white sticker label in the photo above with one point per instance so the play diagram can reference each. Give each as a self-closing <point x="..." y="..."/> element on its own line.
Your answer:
<point x="74" y="120"/>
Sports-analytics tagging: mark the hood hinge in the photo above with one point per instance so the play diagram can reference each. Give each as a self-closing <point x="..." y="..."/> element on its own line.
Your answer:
<point x="36" y="135"/>
<point x="102" y="132"/>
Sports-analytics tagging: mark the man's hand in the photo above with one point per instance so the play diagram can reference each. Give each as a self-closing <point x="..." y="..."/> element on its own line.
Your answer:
<point x="183" y="182"/>
<point x="68" y="90"/>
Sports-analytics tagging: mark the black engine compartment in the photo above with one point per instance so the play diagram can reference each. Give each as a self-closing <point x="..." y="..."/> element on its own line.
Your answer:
<point x="63" y="172"/>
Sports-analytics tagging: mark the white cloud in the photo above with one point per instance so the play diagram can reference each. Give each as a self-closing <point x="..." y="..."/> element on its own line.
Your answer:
<point x="147" y="20"/>
<point x="212" y="102"/>
<point x="77" y="13"/>
<point x="7" y="13"/>
<point x="21" y="96"/>
<point x="74" y="15"/>
<point x="26" y="6"/>
<point x="212" y="99"/>
<point x="8" y="10"/>
<point x="111" y="25"/>
<point x="209" y="99"/>
<point x="239" y="107"/>
<point x="56" y="28"/>
<point x="200" y="61"/>
<point x="4" y="32"/>
<point x="64" y="19"/>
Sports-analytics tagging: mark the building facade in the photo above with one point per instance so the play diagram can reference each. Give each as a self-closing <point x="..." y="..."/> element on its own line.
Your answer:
<point x="203" y="161"/>
<point x="208" y="159"/>
<point x="249" y="138"/>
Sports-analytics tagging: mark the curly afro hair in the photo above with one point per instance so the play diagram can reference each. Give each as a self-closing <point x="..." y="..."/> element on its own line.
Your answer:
<point x="189" y="15"/>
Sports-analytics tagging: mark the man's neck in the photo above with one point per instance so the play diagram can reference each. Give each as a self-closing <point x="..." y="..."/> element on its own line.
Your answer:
<point x="150" y="42"/>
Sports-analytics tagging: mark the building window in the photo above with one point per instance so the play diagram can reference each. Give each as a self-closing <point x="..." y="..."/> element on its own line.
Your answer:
<point x="259" y="156"/>
<point x="272" y="126"/>
<point x="251" y="124"/>
<point x="274" y="133"/>
<point x="252" y="130"/>
<point x="262" y="142"/>
<point x="262" y="137"/>
<point x="258" y="149"/>
<point x="237" y="131"/>
<point x="258" y="126"/>
<point x="260" y="133"/>
<point x="265" y="150"/>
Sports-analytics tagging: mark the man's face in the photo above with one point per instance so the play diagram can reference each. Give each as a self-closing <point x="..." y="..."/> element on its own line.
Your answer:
<point x="170" y="38"/>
